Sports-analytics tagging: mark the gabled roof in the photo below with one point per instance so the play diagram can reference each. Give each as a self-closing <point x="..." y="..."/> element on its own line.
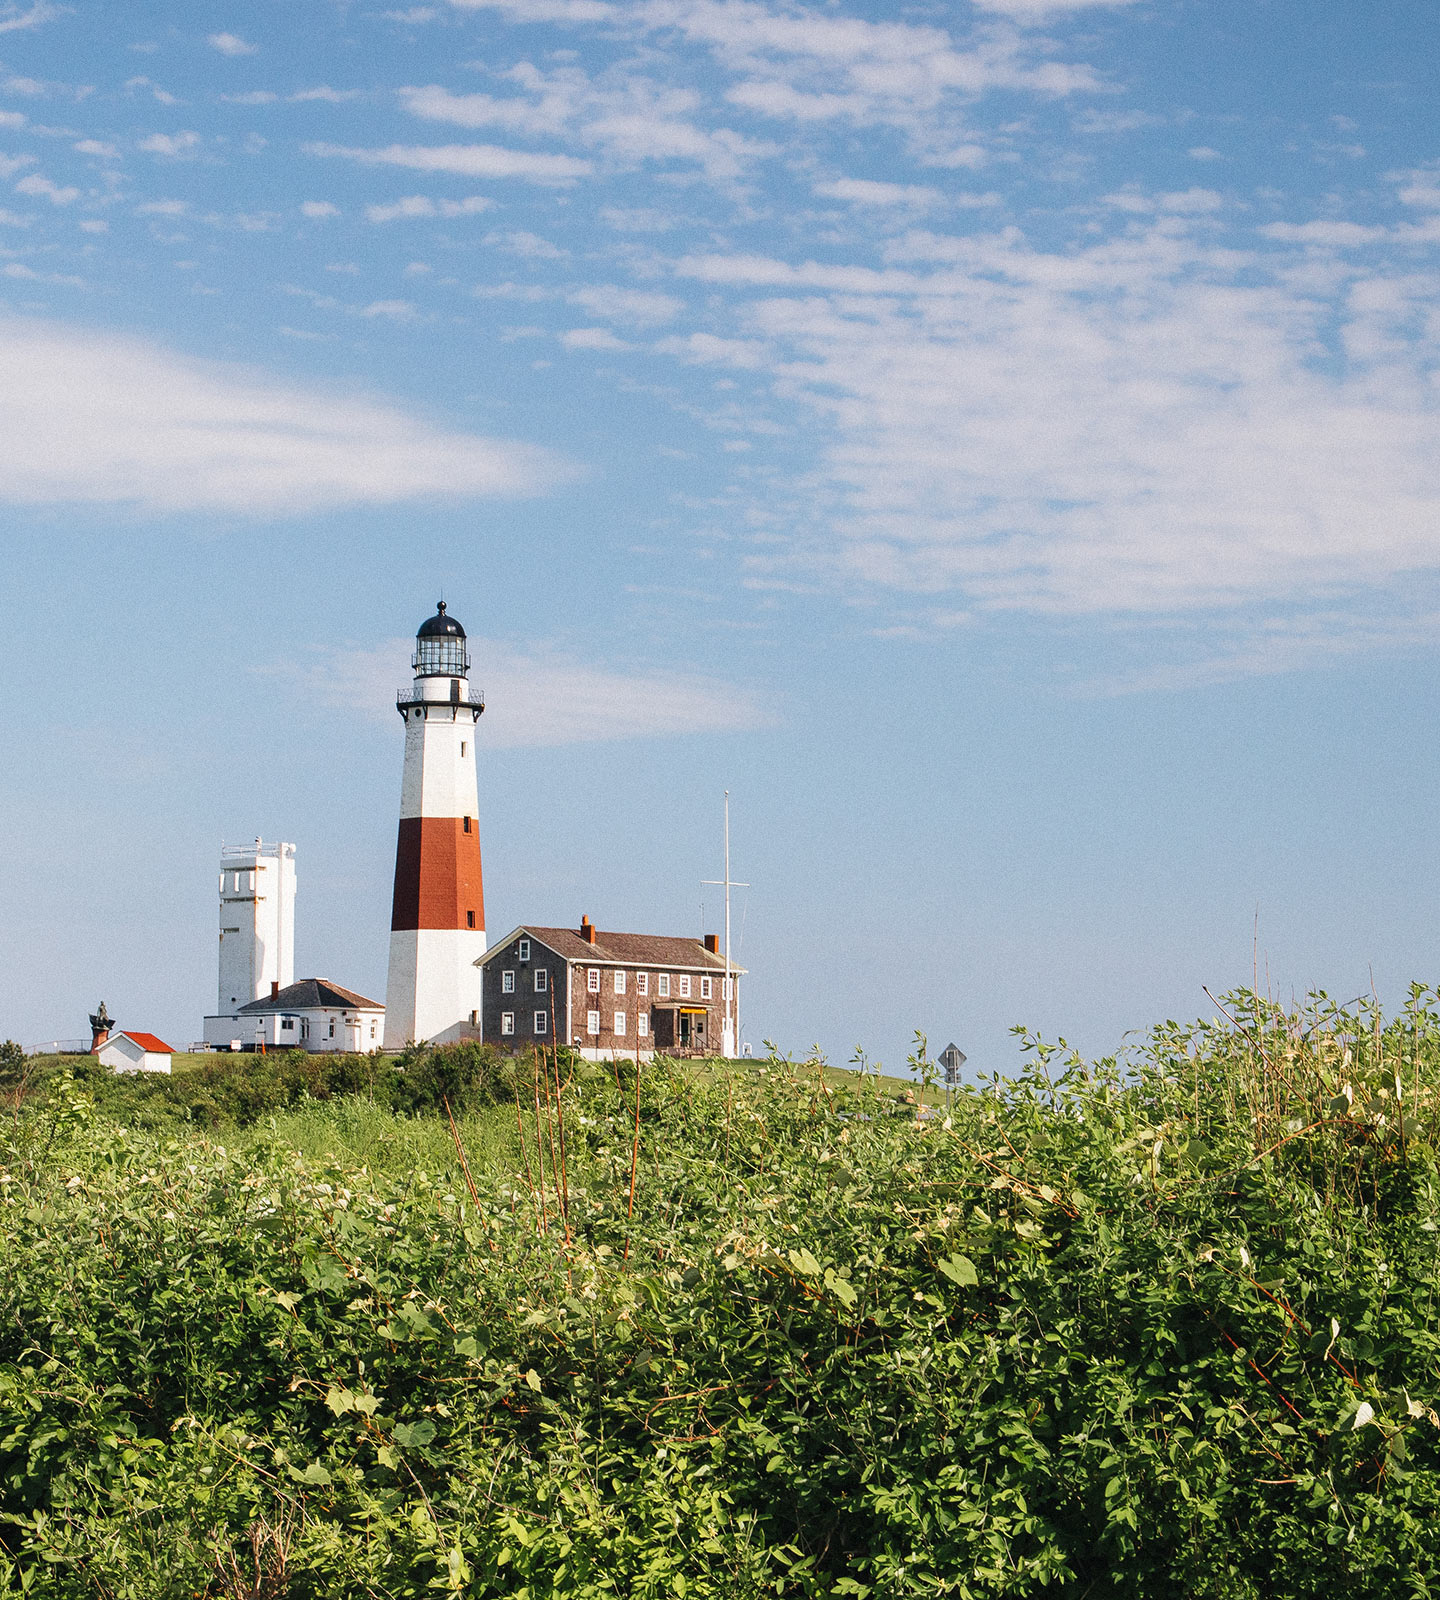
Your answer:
<point x="146" y="1041"/>
<point x="619" y="949"/>
<point x="308" y="995"/>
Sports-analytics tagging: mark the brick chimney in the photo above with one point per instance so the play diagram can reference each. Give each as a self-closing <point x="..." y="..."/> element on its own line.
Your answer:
<point x="712" y="943"/>
<point x="274" y="987"/>
<point x="587" y="930"/>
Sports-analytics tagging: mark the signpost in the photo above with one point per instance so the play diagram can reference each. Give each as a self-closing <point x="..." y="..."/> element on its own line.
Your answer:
<point x="952" y="1058"/>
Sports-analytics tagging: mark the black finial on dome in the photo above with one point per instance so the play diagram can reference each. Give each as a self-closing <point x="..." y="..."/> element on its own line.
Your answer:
<point x="441" y="626"/>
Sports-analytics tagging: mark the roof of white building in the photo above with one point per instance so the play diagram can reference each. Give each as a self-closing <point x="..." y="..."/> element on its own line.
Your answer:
<point x="146" y="1041"/>
<point x="310" y="994"/>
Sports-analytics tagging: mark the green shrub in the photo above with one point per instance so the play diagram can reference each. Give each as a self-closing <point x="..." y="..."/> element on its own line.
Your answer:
<point x="1163" y="1327"/>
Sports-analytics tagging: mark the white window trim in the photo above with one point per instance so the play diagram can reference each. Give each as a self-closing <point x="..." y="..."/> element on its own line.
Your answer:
<point x="522" y="950"/>
<point x="619" y="983"/>
<point x="684" y="985"/>
<point x="542" y="1022"/>
<point x="619" y="1025"/>
<point x="507" y="981"/>
<point x="592" y="1022"/>
<point x="507" y="1022"/>
<point x="592" y="981"/>
<point x="662" y="985"/>
<point x="642" y="1025"/>
<point x="706" y="988"/>
<point x="542" y="980"/>
<point x="642" y="983"/>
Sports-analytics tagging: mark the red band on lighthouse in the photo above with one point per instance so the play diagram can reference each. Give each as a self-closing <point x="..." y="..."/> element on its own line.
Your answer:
<point x="438" y="881"/>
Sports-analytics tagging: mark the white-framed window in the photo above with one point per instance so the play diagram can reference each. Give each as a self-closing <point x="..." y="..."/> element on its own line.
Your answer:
<point x="542" y="980"/>
<point x="372" y="1027"/>
<point x="642" y="1024"/>
<point x="642" y="983"/>
<point x="507" y="982"/>
<point x="593" y="981"/>
<point x="619" y="983"/>
<point x="620" y="1022"/>
<point x="684" y="985"/>
<point x="288" y="1023"/>
<point x="727" y="986"/>
<point x="592" y="1022"/>
<point x="507" y="1022"/>
<point x="542" y="1022"/>
<point x="706" y="988"/>
<point x="522" y="950"/>
<point x="662" y="986"/>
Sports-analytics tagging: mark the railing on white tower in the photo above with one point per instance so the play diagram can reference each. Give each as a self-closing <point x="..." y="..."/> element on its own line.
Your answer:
<point x="413" y="694"/>
<point x="248" y="852"/>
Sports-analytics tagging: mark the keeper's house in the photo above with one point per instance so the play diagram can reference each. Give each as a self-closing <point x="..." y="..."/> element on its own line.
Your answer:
<point x="608" y="993"/>
<point x="314" y="1015"/>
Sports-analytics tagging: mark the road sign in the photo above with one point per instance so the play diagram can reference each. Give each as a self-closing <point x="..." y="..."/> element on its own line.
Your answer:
<point x="952" y="1058"/>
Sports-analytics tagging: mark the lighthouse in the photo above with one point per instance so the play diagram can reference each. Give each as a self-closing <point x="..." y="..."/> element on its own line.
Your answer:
<point x="437" y="921"/>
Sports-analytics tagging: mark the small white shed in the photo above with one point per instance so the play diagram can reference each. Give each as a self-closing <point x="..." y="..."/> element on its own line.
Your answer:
<point x="135" y="1052"/>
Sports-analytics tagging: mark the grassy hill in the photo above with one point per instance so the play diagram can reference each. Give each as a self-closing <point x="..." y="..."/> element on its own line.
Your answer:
<point x="1160" y="1327"/>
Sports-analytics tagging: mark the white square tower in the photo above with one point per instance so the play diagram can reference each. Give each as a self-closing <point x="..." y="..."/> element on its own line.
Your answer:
<point x="257" y="923"/>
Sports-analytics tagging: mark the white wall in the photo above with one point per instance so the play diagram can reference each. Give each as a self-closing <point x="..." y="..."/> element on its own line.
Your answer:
<point x="257" y="924"/>
<point x="439" y="781"/>
<point x="433" y="984"/>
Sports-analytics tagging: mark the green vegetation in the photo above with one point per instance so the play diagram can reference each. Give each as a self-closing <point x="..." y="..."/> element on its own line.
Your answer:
<point x="1153" y="1328"/>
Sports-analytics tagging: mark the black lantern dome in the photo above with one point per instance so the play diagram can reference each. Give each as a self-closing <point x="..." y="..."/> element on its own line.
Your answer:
<point x="440" y="650"/>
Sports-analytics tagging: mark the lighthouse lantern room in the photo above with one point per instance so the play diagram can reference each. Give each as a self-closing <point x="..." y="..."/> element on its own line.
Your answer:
<point x="437" y="923"/>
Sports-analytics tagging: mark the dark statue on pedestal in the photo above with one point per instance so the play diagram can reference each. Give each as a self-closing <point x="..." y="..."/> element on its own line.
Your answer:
<point x="101" y="1023"/>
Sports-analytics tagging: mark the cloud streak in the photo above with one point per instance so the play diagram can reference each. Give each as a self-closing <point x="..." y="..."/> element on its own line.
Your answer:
<point x="539" y="699"/>
<point x="465" y="160"/>
<point x="105" y="419"/>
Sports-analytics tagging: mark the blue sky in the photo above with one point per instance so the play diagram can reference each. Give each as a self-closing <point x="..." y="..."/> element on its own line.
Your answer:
<point x="998" y="442"/>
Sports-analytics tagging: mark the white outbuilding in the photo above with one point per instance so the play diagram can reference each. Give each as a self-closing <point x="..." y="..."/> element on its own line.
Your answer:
<point x="314" y="1015"/>
<point x="134" y="1052"/>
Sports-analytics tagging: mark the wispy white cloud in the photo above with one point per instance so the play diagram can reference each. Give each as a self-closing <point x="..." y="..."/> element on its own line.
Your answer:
<point x="642" y="307"/>
<point x="420" y="205"/>
<point x="18" y="269"/>
<point x="317" y="210"/>
<point x="324" y="92"/>
<point x="230" y="44"/>
<point x="43" y="188"/>
<point x="592" y="339"/>
<point x="465" y="160"/>
<point x="92" y="417"/>
<point x="390" y="310"/>
<point x="630" y="121"/>
<point x="13" y="18"/>
<point x="540" y="698"/>
<point x="181" y="144"/>
<point x="868" y="192"/>
<point x="1046" y="10"/>
<point x="1148" y="423"/>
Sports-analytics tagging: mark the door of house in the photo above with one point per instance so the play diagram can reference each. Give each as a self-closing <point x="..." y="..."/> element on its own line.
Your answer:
<point x="663" y="1021"/>
<point x="692" y="1028"/>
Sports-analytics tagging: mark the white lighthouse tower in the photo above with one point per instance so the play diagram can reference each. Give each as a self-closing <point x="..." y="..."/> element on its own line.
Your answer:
<point x="437" y="921"/>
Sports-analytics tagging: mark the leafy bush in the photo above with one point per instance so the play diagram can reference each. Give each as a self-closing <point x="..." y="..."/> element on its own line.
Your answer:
<point x="1147" y="1329"/>
<point x="241" y="1088"/>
